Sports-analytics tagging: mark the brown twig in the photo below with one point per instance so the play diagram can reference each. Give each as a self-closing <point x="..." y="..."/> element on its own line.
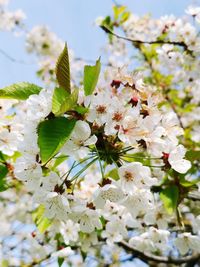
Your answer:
<point x="107" y="30"/>
<point x="12" y="59"/>
<point x="37" y="262"/>
<point x="146" y="257"/>
<point x="175" y="110"/>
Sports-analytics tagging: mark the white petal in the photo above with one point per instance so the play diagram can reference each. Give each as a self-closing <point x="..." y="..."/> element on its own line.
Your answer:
<point x="92" y="140"/>
<point x="51" y="195"/>
<point x="181" y="166"/>
<point x="177" y="153"/>
<point x="65" y="252"/>
<point x="81" y="131"/>
<point x="86" y="225"/>
<point x="181" y="245"/>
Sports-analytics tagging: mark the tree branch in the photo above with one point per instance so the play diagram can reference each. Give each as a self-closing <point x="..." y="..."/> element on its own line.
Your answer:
<point x="146" y="257"/>
<point x="107" y="30"/>
<point x="175" y="111"/>
<point x="37" y="262"/>
<point x="5" y="54"/>
<point x="14" y="60"/>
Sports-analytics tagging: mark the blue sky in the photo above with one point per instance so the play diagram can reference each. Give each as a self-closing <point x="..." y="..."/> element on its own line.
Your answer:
<point x="73" y="21"/>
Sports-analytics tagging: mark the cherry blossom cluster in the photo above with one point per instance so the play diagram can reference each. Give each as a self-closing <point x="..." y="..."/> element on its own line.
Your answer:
<point x="169" y="52"/>
<point x="122" y="127"/>
<point x="9" y="21"/>
<point x="125" y="182"/>
<point x="10" y="129"/>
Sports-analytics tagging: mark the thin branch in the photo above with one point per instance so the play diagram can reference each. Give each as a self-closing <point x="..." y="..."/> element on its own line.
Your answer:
<point x="37" y="262"/>
<point x="107" y="30"/>
<point x="12" y="59"/>
<point x="23" y="62"/>
<point x="146" y="257"/>
<point x="175" y="111"/>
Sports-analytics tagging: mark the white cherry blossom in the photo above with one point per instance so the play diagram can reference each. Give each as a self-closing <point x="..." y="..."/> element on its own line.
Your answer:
<point x="176" y="159"/>
<point x="80" y="140"/>
<point x="135" y="175"/>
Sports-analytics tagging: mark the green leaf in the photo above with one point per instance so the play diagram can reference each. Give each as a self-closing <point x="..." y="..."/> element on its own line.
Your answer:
<point x="16" y="155"/>
<point x="169" y="196"/>
<point x="41" y="222"/>
<point x="118" y="10"/>
<point x="63" y="101"/>
<point x="19" y="91"/>
<point x="60" y="261"/>
<point x="59" y="97"/>
<point x="186" y="183"/>
<point x="60" y="159"/>
<point x="4" y="263"/>
<point x="91" y="75"/>
<point x="63" y="70"/>
<point x="2" y="157"/>
<point x="107" y="22"/>
<point x="52" y="134"/>
<point x="189" y="107"/>
<point x="113" y="174"/>
<point x="124" y="17"/>
<point x="120" y="13"/>
<point x="3" y="173"/>
<point x="193" y="155"/>
<point x="71" y="101"/>
<point x="81" y="110"/>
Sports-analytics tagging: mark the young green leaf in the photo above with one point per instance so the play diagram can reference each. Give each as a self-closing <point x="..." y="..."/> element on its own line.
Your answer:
<point x="52" y="134"/>
<point x="60" y="261"/>
<point x="63" y="70"/>
<point x="113" y="174"/>
<point x="19" y="91"/>
<point x="58" y="161"/>
<point x="2" y="157"/>
<point x="107" y="25"/>
<point x="3" y="173"/>
<point x="91" y="75"/>
<point x="192" y="155"/>
<point x="169" y="196"/>
<point x="59" y="97"/>
<point x="186" y="183"/>
<point x="63" y="101"/>
<point x="81" y="110"/>
<point x="4" y="263"/>
<point x="70" y="102"/>
<point x="120" y="14"/>
<point x="41" y="222"/>
<point x="118" y="10"/>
